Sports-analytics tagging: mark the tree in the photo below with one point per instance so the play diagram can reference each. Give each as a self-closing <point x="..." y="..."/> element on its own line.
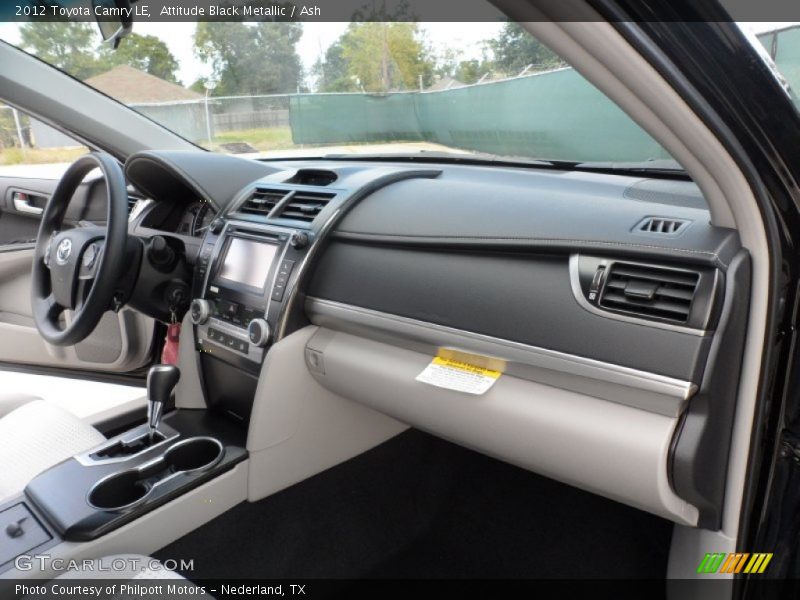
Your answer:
<point x="144" y="52"/>
<point x="75" y="47"/>
<point x="377" y="57"/>
<point x="514" y="49"/>
<point x="70" y="46"/>
<point x="471" y="71"/>
<point x="451" y="64"/>
<point x="199" y="85"/>
<point x="249" y="58"/>
<point x="331" y="71"/>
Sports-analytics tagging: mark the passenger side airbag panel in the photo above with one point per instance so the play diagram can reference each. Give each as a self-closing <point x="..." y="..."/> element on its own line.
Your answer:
<point x="617" y="451"/>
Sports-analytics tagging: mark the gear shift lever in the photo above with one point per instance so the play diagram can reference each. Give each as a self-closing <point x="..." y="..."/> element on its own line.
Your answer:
<point x="161" y="379"/>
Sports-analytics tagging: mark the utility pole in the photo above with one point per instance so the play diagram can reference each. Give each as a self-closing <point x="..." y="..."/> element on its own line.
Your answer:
<point x="385" y="59"/>
<point x="209" y="84"/>
<point x="19" y="130"/>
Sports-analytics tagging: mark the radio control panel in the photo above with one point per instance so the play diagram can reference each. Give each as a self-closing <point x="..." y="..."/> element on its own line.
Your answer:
<point x="243" y="275"/>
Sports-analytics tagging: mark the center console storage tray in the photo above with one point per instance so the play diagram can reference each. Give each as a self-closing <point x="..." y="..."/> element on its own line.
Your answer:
<point x="83" y="501"/>
<point x="129" y="488"/>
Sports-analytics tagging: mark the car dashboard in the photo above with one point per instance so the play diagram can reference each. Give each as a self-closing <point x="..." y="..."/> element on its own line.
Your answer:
<point x="611" y="306"/>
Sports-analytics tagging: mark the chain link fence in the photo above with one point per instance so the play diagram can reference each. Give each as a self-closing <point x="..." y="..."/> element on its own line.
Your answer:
<point x="229" y="123"/>
<point x="236" y="113"/>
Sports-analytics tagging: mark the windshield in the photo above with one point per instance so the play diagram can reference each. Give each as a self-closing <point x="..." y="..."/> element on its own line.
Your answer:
<point x="284" y="89"/>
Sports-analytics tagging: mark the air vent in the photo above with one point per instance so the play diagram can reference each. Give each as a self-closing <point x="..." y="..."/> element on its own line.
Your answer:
<point x="262" y="201"/>
<point x="132" y="200"/>
<point x="651" y="292"/>
<point x="662" y="225"/>
<point x="305" y="206"/>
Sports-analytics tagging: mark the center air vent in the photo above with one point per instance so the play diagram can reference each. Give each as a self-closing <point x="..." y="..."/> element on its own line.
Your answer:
<point x="132" y="200"/>
<point x="663" y="225"/>
<point x="653" y="292"/>
<point x="305" y="206"/>
<point x="262" y="201"/>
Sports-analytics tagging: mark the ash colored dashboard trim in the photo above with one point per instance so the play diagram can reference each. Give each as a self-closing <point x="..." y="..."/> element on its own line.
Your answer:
<point x="574" y="281"/>
<point x="639" y="389"/>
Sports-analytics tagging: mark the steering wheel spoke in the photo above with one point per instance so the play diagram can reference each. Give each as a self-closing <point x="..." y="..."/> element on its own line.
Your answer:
<point x="90" y="260"/>
<point x="52" y="308"/>
<point x="82" y="291"/>
<point x="48" y="251"/>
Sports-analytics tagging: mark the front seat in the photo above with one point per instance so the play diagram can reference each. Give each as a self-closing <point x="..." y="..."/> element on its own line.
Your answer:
<point x="34" y="436"/>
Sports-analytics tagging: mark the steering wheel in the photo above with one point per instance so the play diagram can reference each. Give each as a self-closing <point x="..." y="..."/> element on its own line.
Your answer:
<point x="78" y="269"/>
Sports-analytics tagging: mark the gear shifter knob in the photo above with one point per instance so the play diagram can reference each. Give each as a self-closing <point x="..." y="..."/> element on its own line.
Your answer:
<point x="161" y="380"/>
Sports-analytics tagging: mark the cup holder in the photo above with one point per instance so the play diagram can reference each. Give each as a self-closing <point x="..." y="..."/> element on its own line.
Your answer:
<point x="129" y="488"/>
<point x="193" y="454"/>
<point x="119" y="491"/>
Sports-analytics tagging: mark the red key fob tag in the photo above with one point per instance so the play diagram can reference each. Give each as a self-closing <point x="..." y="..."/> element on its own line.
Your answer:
<point x="169" y="355"/>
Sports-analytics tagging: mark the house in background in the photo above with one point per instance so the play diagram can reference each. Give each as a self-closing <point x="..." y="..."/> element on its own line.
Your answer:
<point x="177" y="108"/>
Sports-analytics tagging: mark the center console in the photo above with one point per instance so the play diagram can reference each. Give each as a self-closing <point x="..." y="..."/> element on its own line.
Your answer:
<point x="127" y="476"/>
<point x="98" y="491"/>
<point x="243" y="278"/>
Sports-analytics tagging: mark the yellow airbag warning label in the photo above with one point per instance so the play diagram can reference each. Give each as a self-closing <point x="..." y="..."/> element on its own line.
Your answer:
<point x="459" y="376"/>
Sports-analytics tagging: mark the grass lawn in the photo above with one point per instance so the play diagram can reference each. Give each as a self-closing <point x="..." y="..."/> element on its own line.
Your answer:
<point x="263" y="139"/>
<point x="39" y="156"/>
<point x="267" y="138"/>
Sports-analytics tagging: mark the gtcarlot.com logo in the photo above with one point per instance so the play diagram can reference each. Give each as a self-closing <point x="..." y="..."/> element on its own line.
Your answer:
<point x="117" y="564"/>
<point x="737" y="562"/>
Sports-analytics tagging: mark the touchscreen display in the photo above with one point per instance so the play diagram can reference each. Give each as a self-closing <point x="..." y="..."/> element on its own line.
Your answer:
<point x="248" y="262"/>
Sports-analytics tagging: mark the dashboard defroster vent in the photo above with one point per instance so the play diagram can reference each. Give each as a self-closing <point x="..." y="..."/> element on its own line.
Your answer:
<point x="305" y="206"/>
<point x="650" y="292"/>
<point x="262" y="202"/>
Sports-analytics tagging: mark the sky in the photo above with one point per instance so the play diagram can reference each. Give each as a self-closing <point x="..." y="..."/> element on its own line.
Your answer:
<point x="317" y="37"/>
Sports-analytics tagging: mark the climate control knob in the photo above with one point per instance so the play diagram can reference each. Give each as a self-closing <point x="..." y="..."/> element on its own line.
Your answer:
<point x="259" y="332"/>
<point x="299" y="240"/>
<point x="199" y="311"/>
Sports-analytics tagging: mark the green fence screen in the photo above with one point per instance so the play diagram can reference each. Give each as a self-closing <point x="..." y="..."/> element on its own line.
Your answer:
<point x="555" y="115"/>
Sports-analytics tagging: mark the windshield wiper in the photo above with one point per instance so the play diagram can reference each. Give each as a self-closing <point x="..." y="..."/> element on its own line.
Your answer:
<point x="454" y="157"/>
<point x="652" y="168"/>
<point x="657" y="168"/>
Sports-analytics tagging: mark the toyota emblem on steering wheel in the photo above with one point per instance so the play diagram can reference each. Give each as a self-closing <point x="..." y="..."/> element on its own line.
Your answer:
<point x="63" y="251"/>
